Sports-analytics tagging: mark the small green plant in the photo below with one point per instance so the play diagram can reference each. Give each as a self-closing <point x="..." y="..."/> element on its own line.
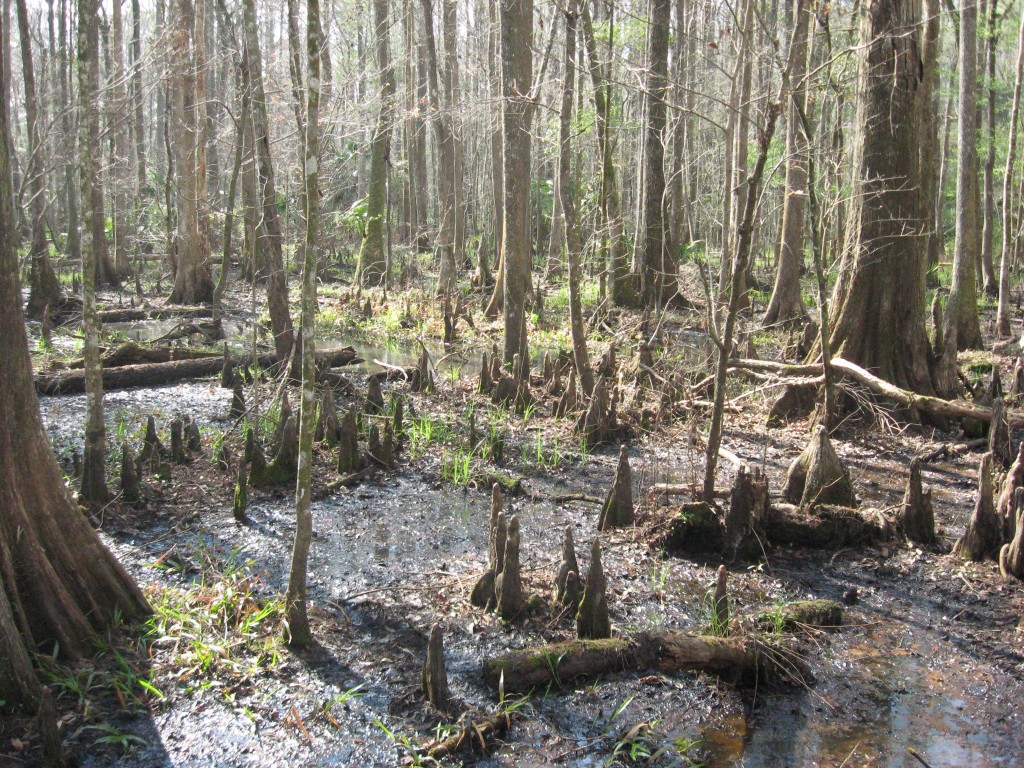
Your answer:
<point x="126" y="742"/>
<point x="717" y="623"/>
<point x="413" y="754"/>
<point x="774" y="619"/>
<point x="455" y="467"/>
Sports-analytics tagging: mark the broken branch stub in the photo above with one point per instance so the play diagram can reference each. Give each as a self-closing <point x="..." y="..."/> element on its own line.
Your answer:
<point x="817" y="476"/>
<point x="617" y="511"/>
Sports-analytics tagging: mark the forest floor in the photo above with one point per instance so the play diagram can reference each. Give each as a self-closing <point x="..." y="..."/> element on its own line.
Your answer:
<point x="930" y="656"/>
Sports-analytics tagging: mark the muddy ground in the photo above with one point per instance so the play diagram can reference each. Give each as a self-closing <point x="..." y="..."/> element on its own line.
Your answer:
<point x="929" y="659"/>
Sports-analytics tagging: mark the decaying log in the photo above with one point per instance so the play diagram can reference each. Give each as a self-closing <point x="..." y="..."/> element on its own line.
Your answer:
<point x="1011" y="556"/>
<point x="700" y="529"/>
<point x="508" y="585"/>
<point x="133" y="353"/>
<point x="474" y="735"/>
<point x="592" y="622"/>
<point x="617" y="511"/>
<point x="751" y="658"/>
<point x="157" y="313"/>
<point x="157" y="374"/>
<point x="792" y="617"/>
<point x="435" y="677"/>
<point x="818" y="476"/>
<point x="984" y="534"/>
<point x="567" y="579"/>
<point x="241" y="500"/>
<point x="999" y="443"/>
<point x="915" y="517"/>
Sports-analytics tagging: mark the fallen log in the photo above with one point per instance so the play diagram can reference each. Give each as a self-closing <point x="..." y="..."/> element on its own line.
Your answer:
<point x="131" y="353"/>
<point x="156" y="374"/>
<point x="936" y="406"/>
<point x="135" y="314"/>
<point x="698" y="528"/>
<point x="743" y="658"/>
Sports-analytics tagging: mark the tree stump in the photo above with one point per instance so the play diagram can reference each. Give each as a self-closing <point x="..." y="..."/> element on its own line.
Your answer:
<point x="617" y="511"/>
<point x="485" y="384"/>
<point x="511" y="392"/>
<point x="999" y="443"/>
<point x="915" y="516"/>
<point x="818" y="476"/>
<point x="241" y="500"/>
<point x="554" y="387"/>
<point x="423" y="378"/>
<point x="253" y="455"/>
<point x="608" y="366"/>
<point x="327" y="426"/>
<point x="720" y="603"/>
<point x="1017" y="381"/>
<point x="566" y="567"/>
<point x="152" y="448"/>
<point x="398" y="418"/>
<point x="1004" y="506"/>
<point x="594" y="424"/>
<point x="130" y="491"/>
<point x="348" y="444"/>
<point x="748" y="507"/>
<point x="227" y="372"/>
<point x="284" y="468"/>
<point x="569" y="400"/>
<point x="483" y="595"/>
<point x="508" y="586"/>
<point x="984" y="533"/>
<point x="1011" y="556"/>
<point x="374" y="397"/>
<point x="178" y="453"/>
<point x="435" y="677"/>
<point x="237" y="398"/>
<point x="592" y="622"/>
<point x="193" y="438"/>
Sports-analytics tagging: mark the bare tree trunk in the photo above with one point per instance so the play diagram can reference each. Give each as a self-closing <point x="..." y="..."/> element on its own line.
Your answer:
<point x="44" y="287"/>
<point x="445" y="139"/>
<point x="269" y="230"/>
<point x="121" y="173"/>
<point x="370" y="269"/>
<point x="960" y="322"/>
<point x="787" y="303"/>
<point x="611" y="207"/>
<point x="988" y="218"/>
<point x="74" y="244"/>
<point x="658" y="272"/>
<point x="58" y="584"/>
<point x="1003" y="313"/>
<point x="565" y="191"/>
<point x="295" y="601"/>
<point x="94" y="485"/>
<point x="517" y="244"/>
<point x="193" y="281"/>
<point x="878" y="305"/>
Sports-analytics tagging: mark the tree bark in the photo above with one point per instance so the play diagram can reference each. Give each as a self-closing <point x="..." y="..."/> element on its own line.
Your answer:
<point x="878" y="304"/>
<point x="58" y="584"/>
<point x="787" y="304"/>
<point x="370" y="270"/>
<point x="1006" y="257"/>
<point x="44" y="287"/>
<point x="517" y="243"/>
